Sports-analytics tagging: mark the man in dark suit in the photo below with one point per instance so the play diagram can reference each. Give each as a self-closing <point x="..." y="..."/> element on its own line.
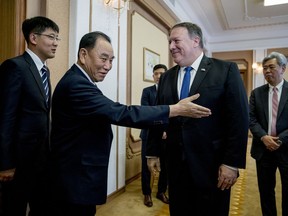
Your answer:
<point x="148" y="98"/>
<point x="270" y="138"/>
<point x="24" y="120"/>
<point x="81" y="134"/>
<point x="203" y="154"/>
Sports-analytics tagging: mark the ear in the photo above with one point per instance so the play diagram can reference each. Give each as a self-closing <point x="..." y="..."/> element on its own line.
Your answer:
<point x="33" y="38"/>
<point x="82" y="55"/>
<point x="283" y="69"/>
<point x="197" y="41"/>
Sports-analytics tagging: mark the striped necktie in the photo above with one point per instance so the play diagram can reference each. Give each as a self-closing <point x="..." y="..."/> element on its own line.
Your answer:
<point x="274" y="111"/>
<point x="45" y="81"/>
<point x="186" y="83"/>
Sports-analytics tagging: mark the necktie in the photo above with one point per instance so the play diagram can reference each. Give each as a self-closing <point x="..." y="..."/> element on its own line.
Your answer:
<point x="45" y="81"/>
<point x="274" y="111"/>
<point x="186" y="83"/>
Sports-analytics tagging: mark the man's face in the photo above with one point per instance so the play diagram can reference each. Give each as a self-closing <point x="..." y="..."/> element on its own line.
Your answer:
<point x="157" y="74"/>
<point x="97" y="62"/>
<point x="182" y="46"/>
<point x="44" y="44"/>
<point x="273" y="73"/>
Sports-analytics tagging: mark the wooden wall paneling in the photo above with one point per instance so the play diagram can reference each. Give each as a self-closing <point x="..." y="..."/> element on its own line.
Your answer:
<point x="12" y="14"/>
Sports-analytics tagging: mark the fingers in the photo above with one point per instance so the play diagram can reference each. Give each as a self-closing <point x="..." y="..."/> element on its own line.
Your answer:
<point x="226" y="183"/>
<point x="193" y="97"/>
<point x="153" y="165"/>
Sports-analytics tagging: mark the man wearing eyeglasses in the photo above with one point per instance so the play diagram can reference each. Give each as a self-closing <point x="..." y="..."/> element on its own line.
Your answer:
<point x="269" y="126"/>
<point x="25" y="95"/>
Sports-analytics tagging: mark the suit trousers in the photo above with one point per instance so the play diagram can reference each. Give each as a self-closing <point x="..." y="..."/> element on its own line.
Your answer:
<point x="266" y="175"/>
<point x="23" y="191"/>
<point x="146" y="175"/>
<point x="71" y="209"/>
<point x="186" y="198"/>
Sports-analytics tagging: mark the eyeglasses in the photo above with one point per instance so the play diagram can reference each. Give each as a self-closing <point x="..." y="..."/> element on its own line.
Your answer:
<point x="51" y="37"/>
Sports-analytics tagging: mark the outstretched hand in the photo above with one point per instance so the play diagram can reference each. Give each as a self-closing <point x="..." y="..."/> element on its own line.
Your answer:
<point x="187" y="108"/>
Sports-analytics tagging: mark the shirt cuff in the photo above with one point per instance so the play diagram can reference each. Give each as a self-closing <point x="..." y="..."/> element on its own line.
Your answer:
<point x="230" y="167"/>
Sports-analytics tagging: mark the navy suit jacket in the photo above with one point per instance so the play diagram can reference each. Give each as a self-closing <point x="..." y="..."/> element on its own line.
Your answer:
<point x="205" y="143"/>
<point x="81" y="136"/>
<point x="24" y="115"/>
<point x="259" y="118"/>
<point x="148" y="98"/>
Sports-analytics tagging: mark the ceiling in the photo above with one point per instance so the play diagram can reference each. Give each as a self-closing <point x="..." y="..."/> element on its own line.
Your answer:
<point x="228" y="22"/>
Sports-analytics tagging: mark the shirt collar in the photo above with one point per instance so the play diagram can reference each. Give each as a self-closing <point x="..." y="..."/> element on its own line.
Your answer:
<point x="87" y="76"/>
<point x="36" y="59"/>
<point x="196" y="63"/>
<point x="279" y="86"/>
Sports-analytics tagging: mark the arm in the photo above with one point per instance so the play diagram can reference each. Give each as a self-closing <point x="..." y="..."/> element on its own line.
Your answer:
<point x="259" y="133"/>
<point x="236" y="121"/>
<point x="10" y="92"/>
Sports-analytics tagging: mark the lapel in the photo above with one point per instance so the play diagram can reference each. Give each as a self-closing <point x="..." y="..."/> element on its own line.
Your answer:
<point x="154" y="95"/>
<point x="174" y="84"/>
<point x="283" y="99"/>
<point x="202" y="71"/>
<point x="264" y="101"/>
<point x="35" y="73"/>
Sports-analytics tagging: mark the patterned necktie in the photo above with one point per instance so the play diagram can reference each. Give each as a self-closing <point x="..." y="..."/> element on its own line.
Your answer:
<point x="274" y="111"/>
<point x="45" y="81"/>
<point x="186" y="83"/>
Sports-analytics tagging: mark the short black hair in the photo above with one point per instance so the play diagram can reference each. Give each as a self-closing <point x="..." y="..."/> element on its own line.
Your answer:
<point x="157" y="66"/>
<point x="38" y="25"/>
<point x="88" y="41"/>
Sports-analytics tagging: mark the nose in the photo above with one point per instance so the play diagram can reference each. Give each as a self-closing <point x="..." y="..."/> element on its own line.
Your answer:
<point x="108" y="65"/>
<point x="172" y="45"/>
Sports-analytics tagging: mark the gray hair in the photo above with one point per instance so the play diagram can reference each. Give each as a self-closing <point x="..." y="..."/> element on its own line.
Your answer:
<point x="280" y="58"/>
<point x="193" y="30"/>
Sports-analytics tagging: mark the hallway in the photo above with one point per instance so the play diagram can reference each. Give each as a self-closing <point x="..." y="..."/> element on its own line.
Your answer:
<point x="244" y="197"/>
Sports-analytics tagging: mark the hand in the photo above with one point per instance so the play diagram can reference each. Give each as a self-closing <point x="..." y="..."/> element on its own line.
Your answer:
<point x="270" y="142"/>
<point x="186" y="108"/>
<point x="164" y="135"/>
<point x="153" y="165"/>
<point x="7" y="175"/>
<point x="226" y="177"/>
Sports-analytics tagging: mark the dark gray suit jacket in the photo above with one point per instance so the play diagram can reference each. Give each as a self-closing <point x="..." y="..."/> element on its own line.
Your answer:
<point x="148" y="98"/>
<point x="206" y="143"/>
<point x="81" y="136"/>
<point x="259" y="118"/>
<point x="24" y="116"/>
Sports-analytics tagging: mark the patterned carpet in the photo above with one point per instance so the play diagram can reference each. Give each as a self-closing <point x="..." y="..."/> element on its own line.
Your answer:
<point x="244" y="197"/>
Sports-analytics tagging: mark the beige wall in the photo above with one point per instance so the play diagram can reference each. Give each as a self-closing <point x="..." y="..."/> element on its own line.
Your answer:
<point x="59" y="12"/>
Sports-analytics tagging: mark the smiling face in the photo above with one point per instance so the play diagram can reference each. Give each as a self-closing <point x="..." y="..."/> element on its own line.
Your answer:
<point x="273" y="72"/>
<point x="184" y="49"/>
<point x="97" y="62"/>
<point x="44" y="44"/>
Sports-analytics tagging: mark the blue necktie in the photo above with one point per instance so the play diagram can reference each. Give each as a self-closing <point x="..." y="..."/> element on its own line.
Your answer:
<point x="186" y="83"/>
<point x="45" y="81"/>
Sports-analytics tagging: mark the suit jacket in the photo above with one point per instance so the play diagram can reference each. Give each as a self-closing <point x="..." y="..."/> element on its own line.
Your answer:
<point x="148" y="98"/>
<point x="259" y="118"/>
<point x="24" y="115"/>
<point x="206" y="143"/>
<point x="81" y="136"/>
